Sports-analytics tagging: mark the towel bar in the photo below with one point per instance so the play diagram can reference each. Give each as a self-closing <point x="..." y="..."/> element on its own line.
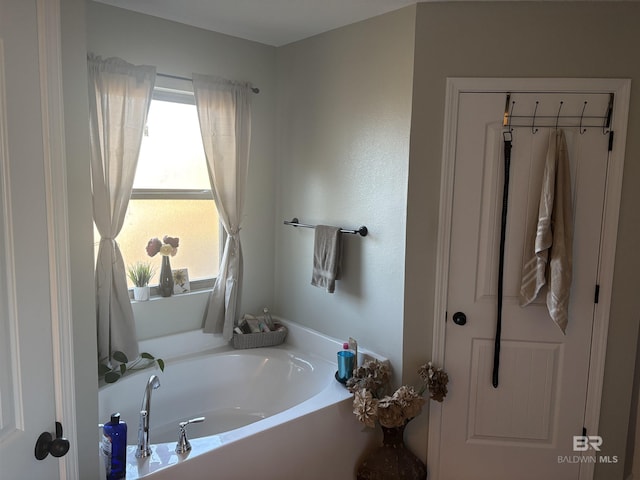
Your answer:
<point x="362" y="231"/>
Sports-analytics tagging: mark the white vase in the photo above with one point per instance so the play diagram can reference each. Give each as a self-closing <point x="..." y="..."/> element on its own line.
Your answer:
<point x="141" y="294"/>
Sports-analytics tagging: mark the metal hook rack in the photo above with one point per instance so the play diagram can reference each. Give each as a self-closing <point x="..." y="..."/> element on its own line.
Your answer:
<point x="582" y="121"/>
<point x="582" y="117"/>
<point x="558" y="115"/>
<point x="362" y="231"/>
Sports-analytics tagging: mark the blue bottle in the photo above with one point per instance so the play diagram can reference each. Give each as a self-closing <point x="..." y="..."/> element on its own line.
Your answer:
<point x="114" y="447"/>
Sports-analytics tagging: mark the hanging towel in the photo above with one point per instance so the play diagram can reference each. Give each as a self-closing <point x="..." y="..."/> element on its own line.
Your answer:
<point x="550" y="262"/>
<point x="327" y="256"/>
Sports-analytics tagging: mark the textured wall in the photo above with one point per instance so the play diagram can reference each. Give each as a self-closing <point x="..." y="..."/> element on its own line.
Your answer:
<point x="526" y="39"/>
<point x="344" y="112"/>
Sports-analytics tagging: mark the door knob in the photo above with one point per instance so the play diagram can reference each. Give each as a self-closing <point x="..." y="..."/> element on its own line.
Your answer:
<point x="46" y="444"/>
<point x="459" y="318"/>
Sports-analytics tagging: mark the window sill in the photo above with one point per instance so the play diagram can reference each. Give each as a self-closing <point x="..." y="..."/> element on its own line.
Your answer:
<point x="205" y="285"/>
<point x="161" y="316"/>
<point x="156" y="297"/>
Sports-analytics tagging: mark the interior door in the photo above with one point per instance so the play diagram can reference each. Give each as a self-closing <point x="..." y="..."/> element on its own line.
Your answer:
<point x="27" y="400"/>
<point x="521" y="428"/>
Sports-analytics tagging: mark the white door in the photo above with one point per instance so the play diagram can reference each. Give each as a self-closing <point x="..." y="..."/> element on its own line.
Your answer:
<point x="28" y="405"/>
<point x="521" y="428"/>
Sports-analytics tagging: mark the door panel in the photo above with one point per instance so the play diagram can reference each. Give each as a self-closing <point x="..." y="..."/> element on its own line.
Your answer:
<point x="519" y="429"/>
<point x="521" y="414"/>
<point x="27" y="402"/>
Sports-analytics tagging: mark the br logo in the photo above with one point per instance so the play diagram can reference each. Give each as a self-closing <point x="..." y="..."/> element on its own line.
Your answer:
<point x="582" y="443"/>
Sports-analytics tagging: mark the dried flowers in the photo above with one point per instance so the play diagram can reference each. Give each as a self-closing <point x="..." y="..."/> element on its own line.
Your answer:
<point x="371" y="401"/>
<point x="168" y="246"/>
<point x="436" y="380"/>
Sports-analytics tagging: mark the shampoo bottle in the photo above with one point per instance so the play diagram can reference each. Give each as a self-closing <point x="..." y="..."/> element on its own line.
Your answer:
<point x="114" y="447"/>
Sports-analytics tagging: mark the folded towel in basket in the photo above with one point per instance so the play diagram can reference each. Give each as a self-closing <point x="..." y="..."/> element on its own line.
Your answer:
<point x="327" y="256"/>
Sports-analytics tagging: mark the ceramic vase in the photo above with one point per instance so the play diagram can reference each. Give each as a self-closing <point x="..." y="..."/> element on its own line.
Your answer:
<point x="393" y="460"/>
<point x="166" y="278"/>
<point x="141" y="294"/>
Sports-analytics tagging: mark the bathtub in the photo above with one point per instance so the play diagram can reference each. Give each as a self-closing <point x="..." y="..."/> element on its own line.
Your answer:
<point x="270" y="412"/>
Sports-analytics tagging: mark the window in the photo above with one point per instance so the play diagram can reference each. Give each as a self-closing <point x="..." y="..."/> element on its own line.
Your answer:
<point x="171" y="191"/>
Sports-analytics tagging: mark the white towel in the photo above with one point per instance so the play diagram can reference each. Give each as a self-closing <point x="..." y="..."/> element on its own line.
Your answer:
<point x="551" y="248"/>
<point x="327" y="256"/>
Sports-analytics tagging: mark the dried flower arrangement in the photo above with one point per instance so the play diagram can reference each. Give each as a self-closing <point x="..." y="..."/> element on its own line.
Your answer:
<point x="168" y="246"/>
<point x="371" y="402"/>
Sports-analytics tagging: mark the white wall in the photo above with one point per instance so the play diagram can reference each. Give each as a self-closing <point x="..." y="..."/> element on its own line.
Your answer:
<point x="76" y="108"/>
<point x="344" y="113"/>
<point x="178" y="49"/>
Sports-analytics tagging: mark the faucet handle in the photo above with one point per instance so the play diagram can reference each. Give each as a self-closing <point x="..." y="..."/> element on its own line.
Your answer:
<point x="183" y="445"/>
<point x="193" y="420"/>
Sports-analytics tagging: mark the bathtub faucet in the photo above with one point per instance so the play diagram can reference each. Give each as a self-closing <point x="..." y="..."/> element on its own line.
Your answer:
<point x="143" y="427"/>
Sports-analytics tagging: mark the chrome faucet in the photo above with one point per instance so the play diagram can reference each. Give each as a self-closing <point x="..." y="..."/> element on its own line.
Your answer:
<point x="183" y="445"/>
<point x="143" y="427"/>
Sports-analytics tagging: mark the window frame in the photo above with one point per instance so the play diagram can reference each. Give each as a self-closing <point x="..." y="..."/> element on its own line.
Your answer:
<point x="167" y="94"/>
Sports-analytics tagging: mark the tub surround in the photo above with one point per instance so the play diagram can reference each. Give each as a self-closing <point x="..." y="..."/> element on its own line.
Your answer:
<point x="299" y="337"/>
<point x="326" y="412"/>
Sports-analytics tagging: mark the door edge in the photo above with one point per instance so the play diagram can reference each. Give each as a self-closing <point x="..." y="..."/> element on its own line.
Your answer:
<point x="50" y="59"/>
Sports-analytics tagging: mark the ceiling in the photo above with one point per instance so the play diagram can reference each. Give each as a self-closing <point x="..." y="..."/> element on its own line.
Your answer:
<point x="272" y="22"/>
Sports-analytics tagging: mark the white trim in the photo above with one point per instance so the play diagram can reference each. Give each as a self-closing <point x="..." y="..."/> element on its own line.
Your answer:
<point x="607" y="263"/>
<point x="455" y="86"/>
<point x="442" y="265"/>
<point x="49" y="49"/>
<point x="11" y="416"/>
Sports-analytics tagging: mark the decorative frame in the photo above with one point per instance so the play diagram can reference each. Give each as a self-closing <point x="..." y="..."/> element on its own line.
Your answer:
<point x="181" y="281"/>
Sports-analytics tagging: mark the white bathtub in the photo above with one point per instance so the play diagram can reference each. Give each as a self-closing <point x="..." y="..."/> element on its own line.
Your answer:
<point x="266" y="409"/>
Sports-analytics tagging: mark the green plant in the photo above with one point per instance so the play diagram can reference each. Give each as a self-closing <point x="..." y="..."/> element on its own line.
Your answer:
<point x="112" y="374"/>
<point x="140" y="273"/>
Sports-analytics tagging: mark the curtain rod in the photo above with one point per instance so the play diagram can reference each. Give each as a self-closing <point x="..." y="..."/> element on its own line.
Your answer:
<point x="176" y="77"/>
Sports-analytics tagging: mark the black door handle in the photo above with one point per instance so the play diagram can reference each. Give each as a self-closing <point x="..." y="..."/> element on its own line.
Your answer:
<point x="459" y="318"/>
<point x="46" y="444"/>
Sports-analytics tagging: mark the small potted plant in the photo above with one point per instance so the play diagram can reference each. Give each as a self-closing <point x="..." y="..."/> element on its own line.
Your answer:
<point x="140" y="274"/>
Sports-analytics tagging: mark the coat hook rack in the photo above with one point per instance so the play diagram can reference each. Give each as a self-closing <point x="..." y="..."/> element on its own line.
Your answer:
<point x="582" y="130"/>
<point x="533" y="123"/>
<point x="362" y="231"/>
<point x="558" y="115"/>
<point x="579" y="119"/>
<point x="607" y="118"/>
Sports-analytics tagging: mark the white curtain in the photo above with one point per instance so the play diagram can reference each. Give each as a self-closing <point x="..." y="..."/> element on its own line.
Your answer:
<point x="224" y="111"/>
<point x="119" y="98"/>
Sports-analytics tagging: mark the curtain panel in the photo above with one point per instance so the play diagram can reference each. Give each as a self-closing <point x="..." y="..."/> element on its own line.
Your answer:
<point x="224" y="112"/>
<point x="119" y="99"/>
